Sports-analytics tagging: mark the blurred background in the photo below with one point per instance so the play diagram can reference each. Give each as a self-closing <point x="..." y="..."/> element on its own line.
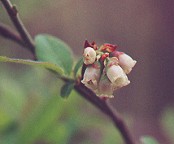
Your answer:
<point x="31" y="110"/>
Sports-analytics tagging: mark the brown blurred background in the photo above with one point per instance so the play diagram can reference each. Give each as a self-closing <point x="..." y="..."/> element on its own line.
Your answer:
<point x="144" y="29"/>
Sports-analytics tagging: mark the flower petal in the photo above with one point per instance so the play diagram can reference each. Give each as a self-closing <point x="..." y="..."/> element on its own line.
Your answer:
<point x="126" y="62"/>
<point x="105" y="87"/>
<point x="89" y="55"/>
<point x="91" y="77"/>
<point x="117" y="76"/>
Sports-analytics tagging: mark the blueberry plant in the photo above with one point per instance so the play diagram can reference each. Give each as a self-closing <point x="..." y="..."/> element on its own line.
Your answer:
<point x="102" y="69"/>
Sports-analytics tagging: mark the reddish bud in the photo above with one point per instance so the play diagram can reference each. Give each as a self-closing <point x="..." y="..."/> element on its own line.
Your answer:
<point x="104" y="56"/>
<point x="86" y="44"/>
<point x="108" y="47"/>
<point x="93" y="45"/>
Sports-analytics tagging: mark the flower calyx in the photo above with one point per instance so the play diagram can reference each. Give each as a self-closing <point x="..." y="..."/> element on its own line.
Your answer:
<point x="108" y="47"/>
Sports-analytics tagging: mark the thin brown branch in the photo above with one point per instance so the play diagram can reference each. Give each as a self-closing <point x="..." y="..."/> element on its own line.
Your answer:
<point x="103" y="106"/>
<point x="9" y="33"/>
<point x="84" y="91"/>
<point x="14" y="16"/>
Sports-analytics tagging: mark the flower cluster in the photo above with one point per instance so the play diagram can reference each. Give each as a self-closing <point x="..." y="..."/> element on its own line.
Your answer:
<point x="106" y="68"/>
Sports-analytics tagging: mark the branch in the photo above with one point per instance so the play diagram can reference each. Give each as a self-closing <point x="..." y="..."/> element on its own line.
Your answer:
<point x="103" y="106"/>
<point x="84" y="91"/>
<point x="13" y="13"/>
<point x="9" y="33"/>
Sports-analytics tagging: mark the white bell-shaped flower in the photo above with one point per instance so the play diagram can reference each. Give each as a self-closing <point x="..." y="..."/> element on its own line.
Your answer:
<point x="117" y="76"/>
<point x="89" y="55"/>
<point x="91" y="77"/>
<point x="126" y="62"/>
<point x="105" y="87"/>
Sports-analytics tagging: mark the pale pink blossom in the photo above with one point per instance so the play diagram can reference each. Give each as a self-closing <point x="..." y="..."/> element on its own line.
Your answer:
<point x="91" y="77"/>
<point x="89" y="55"/>
<point x="117" y="76"/>
<point x="105" y="88"/>
<point x="126" y="62"/>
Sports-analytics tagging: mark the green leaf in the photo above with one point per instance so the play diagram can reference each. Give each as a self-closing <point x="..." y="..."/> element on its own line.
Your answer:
<point x="77" y="66"/>
<point x="66" y="90"/>
<point x="148" y="140"/>
<point x="47" y="65"/>
<point x="52" y="49"/>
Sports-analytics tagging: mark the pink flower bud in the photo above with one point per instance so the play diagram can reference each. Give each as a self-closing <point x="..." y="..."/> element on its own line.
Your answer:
<point x="126" y="62"/>
<point x="93" y="45"/>
<point x="89" y="55"/>
<point x="108" y="47"/>
<point x="91" y="77"/>
<point x="117" y="76"/>
<point x="105" y="88"/>
<point x="104" y="56"/>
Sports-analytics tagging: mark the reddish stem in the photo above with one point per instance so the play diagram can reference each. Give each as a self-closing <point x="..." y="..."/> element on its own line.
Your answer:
<point x="14" y="16"/>
<point x="84" y="91"/>
<point x="9" y="33"/>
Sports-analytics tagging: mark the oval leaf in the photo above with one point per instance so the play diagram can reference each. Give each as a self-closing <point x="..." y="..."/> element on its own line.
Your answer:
<point x="52" y="49"/>
<point x="47" y="65"/>
<point x="66" y="90"/>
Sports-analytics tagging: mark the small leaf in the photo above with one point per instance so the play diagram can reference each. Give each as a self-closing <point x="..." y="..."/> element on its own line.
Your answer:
<point x="148" y="140"/>
<point x="77" y="66"/>
<point x="66" y="90"/>
<point x="52" y="49"/>
<point x="47" y="65"/>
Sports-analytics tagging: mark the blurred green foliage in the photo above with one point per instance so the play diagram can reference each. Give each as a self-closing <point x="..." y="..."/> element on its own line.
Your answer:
<point x="31" y="111"/>
<point x="148" y="140"/>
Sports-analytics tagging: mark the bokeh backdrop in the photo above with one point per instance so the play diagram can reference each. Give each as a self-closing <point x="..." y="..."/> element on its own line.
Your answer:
<point x="30" y="110"/>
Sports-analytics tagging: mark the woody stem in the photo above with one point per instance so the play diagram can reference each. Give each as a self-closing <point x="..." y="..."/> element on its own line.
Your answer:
<point x="24" y="39"/>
